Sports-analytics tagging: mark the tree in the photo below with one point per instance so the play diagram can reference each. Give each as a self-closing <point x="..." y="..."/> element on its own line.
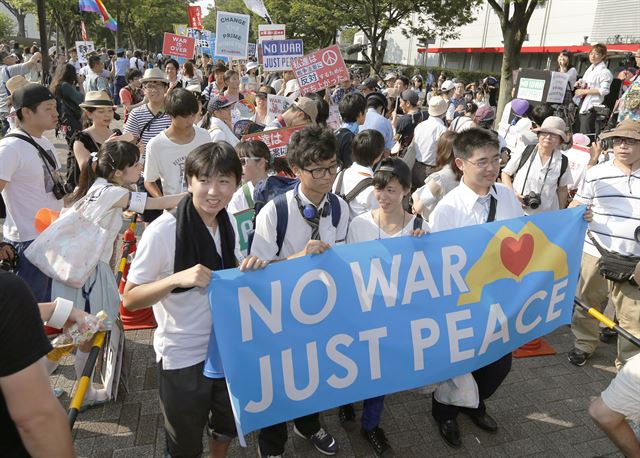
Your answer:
<point x="6" y="25"/>
<point x="514" y="31"/>
<point x="375" y="18"/>
<point x="65" y="16"/>
<point x="20" y="9"/>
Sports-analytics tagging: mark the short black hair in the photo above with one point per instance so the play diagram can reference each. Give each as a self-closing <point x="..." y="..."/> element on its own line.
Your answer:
<point x="132" y="74"/>
<point x="367" y="146"/>
<point x="267" y="89"/>
<point x="401" y="172"/>
<point x="322" y="106"/>
<point x="254" y="148"/>
<point x="211" y="159"/>
<point x="470" y="140"/>
<point x="181" y="102"/>
<point x="351" y="106"/>
<point x="93" y="60"/>
<point x="172" y="62"/>
<point x="311" y="145"/>
<point x="404" y="80"/>
<point x="541" y="112"/>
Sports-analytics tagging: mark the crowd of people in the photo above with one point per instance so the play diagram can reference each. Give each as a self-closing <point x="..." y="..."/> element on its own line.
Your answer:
<point x="407" y="155"/>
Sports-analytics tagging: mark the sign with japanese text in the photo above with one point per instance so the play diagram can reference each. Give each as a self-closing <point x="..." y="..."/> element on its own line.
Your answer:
<point x="232" y="35"/>
<point x="271" y="32"/>
<point x="178" y="46"/>
<point x="278" y="54"/>
<point x="320" y="69"/>
<point x="195" y="17"/>
<point x="276" y="140"/>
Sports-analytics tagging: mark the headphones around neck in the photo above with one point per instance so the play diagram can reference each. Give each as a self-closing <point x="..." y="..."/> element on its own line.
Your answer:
<point x="310" y="211"/>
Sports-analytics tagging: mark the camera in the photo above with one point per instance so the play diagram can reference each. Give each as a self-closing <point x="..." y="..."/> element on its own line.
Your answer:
<point x="59" y="190"/>
<point x="10" y="264"/>
<point x="532" y="200"/>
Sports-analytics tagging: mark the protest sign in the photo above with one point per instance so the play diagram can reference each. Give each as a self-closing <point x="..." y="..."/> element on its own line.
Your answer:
<point x="195" y="17"/>
<point x="271" y="32"/>
<point x="251" y="50"/>
<point x="277" y="104"/>
<point x="178" y="46"/>
<point x="278" y="54"/>
<point x="276" y="140"/>
<point x="531" y="89"/>
<point x="320" y="69"/>
<point x="232" y="35"/>
<point x="84" y="48"/>
<point x="181" y="29"/>
<point x="557" y="87"/>
<point x="244" y="224"/>
<point x="541" y="85"/>
<point x="411" y="311"/>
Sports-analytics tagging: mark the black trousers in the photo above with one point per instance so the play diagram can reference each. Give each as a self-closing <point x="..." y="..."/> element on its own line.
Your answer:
<point x="488" y="379"/>
<point x="586" y="123"/>
<point x="273" y="438"/>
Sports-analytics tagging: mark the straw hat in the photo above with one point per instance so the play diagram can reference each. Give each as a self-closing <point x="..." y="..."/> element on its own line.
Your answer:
<point x="16" y="82"/>
<point x="97" y="99"/>
<point x="553" y="125"/>
<point x="154" y="74"/>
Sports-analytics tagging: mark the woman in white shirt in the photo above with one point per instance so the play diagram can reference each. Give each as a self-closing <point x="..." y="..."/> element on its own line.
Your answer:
<point x="391" y="183"/>
<point x="564" y="66"/>
<point x="444" y="179"/>
<point x="255" y="158"/>
<point x="218" y="120"/>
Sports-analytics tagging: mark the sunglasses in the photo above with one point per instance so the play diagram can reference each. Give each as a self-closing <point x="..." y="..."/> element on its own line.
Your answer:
<point x="244" y="160"/>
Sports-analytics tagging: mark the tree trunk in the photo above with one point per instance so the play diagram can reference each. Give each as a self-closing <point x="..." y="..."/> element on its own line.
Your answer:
<point x="510" y="62"/>
<point x="21" y="27"/>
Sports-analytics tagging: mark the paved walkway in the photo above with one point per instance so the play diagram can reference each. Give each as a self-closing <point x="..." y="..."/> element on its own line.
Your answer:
<point x="541" y="409"/>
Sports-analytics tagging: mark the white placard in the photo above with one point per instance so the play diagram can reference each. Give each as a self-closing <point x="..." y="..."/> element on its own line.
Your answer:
<point x="277" y="104"/>
<point x="232" y="35"/>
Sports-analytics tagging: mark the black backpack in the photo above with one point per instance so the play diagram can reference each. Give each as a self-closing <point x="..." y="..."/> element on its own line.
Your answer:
<point x="361" y="186"/>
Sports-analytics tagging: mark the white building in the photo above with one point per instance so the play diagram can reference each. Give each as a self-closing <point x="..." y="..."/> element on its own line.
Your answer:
<point x="30" y="23"/>
<point x="554" y="26"/>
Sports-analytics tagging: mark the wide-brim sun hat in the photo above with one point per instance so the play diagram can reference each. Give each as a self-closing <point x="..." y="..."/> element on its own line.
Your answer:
<point x="97" y="99"/>
<point x="626" y="129"/>
<point x="553" y="125"/>
<point x="437" y="106"/>
<point x="252" y="65"/>
<point x="154" y="74"/>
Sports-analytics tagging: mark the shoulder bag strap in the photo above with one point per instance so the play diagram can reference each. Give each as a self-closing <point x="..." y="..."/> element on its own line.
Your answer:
<point x="48" y="160"/>
<point x="247" y="195"/>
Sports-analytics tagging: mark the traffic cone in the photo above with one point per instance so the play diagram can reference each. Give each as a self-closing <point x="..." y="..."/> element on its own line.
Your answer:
<point x="537" y="347"/>
<point x="140" y="319"/>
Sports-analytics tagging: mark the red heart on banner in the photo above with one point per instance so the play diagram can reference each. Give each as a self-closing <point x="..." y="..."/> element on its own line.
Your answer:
<point x="516" y="254"/>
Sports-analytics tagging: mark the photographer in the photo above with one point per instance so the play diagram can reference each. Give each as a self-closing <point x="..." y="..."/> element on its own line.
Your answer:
<point x="592" y="89"/>
<point x="612" y="189"/>
<point x="539" y="176"/>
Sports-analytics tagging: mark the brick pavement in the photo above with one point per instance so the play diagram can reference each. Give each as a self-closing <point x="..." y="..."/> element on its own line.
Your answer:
<point x="541" y="409"/>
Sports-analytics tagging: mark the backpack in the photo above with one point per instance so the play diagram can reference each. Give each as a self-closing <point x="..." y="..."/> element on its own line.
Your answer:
<point x="275" y="188"/>
<point x="361" y="186"/>
<point x="526" y="154"/>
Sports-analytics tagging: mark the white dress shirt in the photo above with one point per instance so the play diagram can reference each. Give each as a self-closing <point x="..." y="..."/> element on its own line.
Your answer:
<point x="597" y="77"/>
<point x="426" y="137"/>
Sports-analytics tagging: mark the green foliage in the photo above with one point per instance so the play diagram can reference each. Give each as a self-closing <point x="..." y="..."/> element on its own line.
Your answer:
<point x="7" y="25"/>
<point x="467" y="76"/>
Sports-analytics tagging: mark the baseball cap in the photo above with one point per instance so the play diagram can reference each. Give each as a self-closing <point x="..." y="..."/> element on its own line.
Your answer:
<point x="410" y="96"/>
<point x="485" y="113"/>
<point x="447" y="86"/>
<point x="218" y="103"/>
<point x="309" y="107"/>
<point x="29" y="95"/>
<point x="369" y="83"/>
<point x="390" y="76"/>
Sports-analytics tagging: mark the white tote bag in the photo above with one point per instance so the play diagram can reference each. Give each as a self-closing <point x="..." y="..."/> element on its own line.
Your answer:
<point x="459" y="391"/>
<point x="70" y="248"/>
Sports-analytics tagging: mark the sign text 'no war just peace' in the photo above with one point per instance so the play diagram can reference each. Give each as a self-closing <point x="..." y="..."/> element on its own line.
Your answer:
<point x="378" y="317"/>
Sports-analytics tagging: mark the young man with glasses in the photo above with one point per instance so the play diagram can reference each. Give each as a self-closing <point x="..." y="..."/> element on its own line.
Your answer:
<point x="612" y="188"/>
<point x="478" y="199"/>
<point x="311" y="210"/>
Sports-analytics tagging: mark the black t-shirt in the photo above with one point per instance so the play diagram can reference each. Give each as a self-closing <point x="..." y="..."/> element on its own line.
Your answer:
<point x="406" y="125"/>
<point x="22" y="343"/>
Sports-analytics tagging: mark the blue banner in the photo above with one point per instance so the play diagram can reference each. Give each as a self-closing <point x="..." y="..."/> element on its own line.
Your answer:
<point x="373" y="318"/>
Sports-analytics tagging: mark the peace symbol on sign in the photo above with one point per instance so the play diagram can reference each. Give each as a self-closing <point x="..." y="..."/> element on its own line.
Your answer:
<point x="329" y="58"/>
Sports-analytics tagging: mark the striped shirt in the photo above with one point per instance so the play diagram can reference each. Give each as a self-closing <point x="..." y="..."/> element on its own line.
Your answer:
<point x="615" y="200"/>
<point x="139" y="118"/>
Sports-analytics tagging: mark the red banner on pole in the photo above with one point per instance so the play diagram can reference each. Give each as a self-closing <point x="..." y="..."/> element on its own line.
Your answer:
<point x="276" y="140"/>
<point x="320" y="69"/>
<point x="178" y="46"/>
<point x="195" y="17"/>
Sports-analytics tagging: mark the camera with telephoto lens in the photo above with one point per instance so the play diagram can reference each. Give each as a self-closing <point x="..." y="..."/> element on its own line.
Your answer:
<point x="532" y="200"/>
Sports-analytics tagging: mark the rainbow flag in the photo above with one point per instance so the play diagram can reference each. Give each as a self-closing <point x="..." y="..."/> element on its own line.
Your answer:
<point x="96" y="6"/>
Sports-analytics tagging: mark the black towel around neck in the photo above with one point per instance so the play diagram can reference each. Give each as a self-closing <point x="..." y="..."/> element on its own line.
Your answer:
<point x="194" y="242"/>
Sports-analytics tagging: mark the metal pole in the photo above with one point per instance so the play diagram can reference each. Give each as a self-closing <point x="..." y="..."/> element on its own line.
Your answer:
<point x="609" y="323"/>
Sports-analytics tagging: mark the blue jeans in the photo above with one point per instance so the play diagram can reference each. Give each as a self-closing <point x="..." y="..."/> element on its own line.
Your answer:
<point x="39" y="283"/>
<point x="371" y="412"/>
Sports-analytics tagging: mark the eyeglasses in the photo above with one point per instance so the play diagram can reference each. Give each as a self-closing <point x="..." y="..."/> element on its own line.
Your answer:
<point x="546" y="134"/>
<point x="620" y="140"/>
<point x="321" y="172"/>
<point x="154" y="87"/>
<point x="484" y="163"/>
<point x="245" y="159"/>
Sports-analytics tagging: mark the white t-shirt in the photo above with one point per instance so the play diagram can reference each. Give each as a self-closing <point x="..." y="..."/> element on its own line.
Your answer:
<point x="536" y="180"/>
<point x="165" y="160"/>
<point x="184" y="319"/>
<point x="364" y="201"/>
<point x="364" y="228"/>
<point x="462" y="207"/>
<point x="29" y="185"/>
<point x="219" y="131"/>
<point x="616" y="208"/>
<point x="298" y="231"/>
<point x="239" y="202"/>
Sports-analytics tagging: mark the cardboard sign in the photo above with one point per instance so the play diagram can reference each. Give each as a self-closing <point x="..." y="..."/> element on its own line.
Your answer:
<point x="195" y="17"/>
<point x="276" y="140"/>
<point x="541" y="85"/>
<point x="320" y="69"/>
<point x="557" y="87"/>
<point x="84" y="48"/>
<point x="277" y="104"/>
<point x="278" y="54"/>
<point x="271" y="32"/>
<point x="178" y="46"/>
<point x="232" y="35"/>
